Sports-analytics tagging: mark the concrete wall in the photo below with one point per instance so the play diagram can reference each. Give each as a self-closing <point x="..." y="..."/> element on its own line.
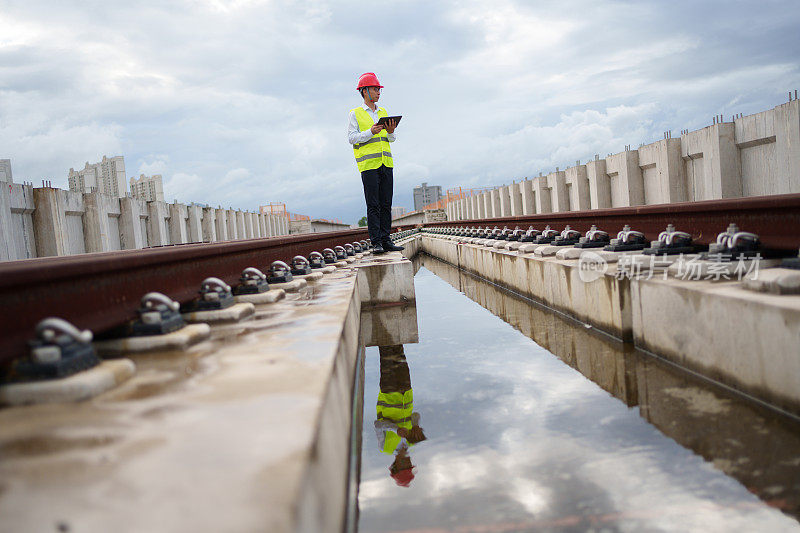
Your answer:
<point x="752" y="155"/>
<point x="416" y="217"/>
<point x="319" y="226"/>
<point x="299" y="226"/>
<point x="702" y="324"/>
<point x="40" y="222"/>
<point x="16" y="222"/>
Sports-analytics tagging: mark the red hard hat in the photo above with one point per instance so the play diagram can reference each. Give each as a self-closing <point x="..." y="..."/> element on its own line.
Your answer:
<point x="368" y="79"/>
<point x="403" y="477"/>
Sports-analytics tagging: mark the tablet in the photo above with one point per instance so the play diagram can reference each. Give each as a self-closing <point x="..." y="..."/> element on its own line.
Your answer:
<point x="384" y="120"/>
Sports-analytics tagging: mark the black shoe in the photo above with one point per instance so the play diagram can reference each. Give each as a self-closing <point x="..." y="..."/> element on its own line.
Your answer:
<point x="378" y="249"/>
<point x="391" y="247"/>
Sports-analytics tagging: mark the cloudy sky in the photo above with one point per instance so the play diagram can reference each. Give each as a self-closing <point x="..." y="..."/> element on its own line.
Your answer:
<point x="244" y="102"/>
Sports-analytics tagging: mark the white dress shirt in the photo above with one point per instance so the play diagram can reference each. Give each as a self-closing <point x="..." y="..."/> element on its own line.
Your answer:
<point x="355" y="136"/>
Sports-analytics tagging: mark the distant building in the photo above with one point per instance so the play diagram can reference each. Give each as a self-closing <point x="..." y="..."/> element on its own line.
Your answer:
<point x="273" y="209"/>
<point x="148" y="188"/>
<point x="425" y="195"/>
<point x="398" y="212"/>
<point x="106" y="177"/>
<point x="5" y="171"/>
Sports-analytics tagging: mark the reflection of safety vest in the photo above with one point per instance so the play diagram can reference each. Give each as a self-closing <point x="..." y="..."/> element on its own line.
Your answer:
<point x="376" y="151"/>
<point x="396" y="407"/>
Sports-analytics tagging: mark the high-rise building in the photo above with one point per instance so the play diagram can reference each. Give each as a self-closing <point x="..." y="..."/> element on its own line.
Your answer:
<point x="425" y="195"/>
<point x="398" y="212"/>
<point x="148" y="188"/>
<point x="106" y="177"/>
<point x="5" y="171"/>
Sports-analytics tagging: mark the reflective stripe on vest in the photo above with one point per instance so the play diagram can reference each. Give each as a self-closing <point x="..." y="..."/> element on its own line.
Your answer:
<point x="376" y="151"/>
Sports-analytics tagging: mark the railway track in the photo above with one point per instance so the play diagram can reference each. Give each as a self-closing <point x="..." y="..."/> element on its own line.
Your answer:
<point x="102" y="290"/>
<point x="776" y="219"/>
<point x="98" y="291"/>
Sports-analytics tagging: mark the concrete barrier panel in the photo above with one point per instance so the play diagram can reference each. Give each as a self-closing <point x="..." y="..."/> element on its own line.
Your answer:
<point x="542" y="195"/>
<point x="132" y="233"/>
<point x="17" y="238"/>
<point x="663" y="175"/>
<point x="599" y="184"/>
<point x="712" y="163"/>
<point x="248" y="225"/>
<point x="475" y="203"/>
<point x="557" y="185"/>
<point x="505" y="200"/>
<point x="486" y="204"/>
<point x="494" y="203"/>
<point x="194" y="216"/>
<point x="222" y="225"/>
<point x="209" y="224"/>
<point x="526" y="193"/>
<point x="157" y="224"/>
<point x="787" y="146"/>
<point x="58" y="222"/>
<point x="577" y="184"/>
<point x="625" y="176"/>
<point x="769" y="151"/>
<point x="101" y="223"/>
<point x="241" y="225"/>
<point x="515" y="191"/>
<point x="178" y="223"/>
<point x="230" y="222"/>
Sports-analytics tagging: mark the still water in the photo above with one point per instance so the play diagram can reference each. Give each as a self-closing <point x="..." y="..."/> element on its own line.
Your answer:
<point x="506" y="417"/>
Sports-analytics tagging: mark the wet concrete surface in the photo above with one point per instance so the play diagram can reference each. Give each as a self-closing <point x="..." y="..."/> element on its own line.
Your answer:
<point x="213" y="438"/>
<point x="535" y="422"/>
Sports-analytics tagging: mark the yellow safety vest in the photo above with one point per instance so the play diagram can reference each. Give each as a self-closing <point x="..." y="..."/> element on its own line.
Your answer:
<point x="396" y="407"/>
<point x="375" y="152"/>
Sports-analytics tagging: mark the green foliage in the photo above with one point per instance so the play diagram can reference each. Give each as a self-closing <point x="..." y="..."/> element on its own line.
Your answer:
<point x="363" y="221"/>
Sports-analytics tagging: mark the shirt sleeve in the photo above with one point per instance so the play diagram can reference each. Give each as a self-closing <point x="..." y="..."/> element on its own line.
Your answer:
<point x="381" y="427"/>
<point x="354" y="135"/>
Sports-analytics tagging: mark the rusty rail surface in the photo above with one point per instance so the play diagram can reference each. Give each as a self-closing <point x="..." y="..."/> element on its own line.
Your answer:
<point x="776" y="219"/>
<point x="97" y="291"/>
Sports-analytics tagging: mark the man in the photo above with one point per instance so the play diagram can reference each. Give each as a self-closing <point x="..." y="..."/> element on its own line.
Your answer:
<point x="374" y="159"/>
<point x="397" y="424"/>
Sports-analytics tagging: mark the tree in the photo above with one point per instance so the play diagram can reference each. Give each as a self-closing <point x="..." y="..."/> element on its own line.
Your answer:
<point x="363" y="221"/>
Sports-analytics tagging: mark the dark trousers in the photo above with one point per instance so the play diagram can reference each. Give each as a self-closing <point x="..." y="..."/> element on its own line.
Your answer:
<point x="395" y="374"/>
<point x="378" y="185"/>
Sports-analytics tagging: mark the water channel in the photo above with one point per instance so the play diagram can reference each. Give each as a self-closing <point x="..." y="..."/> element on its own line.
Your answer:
<point x="523" y="420"/>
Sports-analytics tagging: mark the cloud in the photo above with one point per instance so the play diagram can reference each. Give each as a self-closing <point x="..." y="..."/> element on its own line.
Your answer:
<point x="157" y="164"/>
<point x="489" y="92"/>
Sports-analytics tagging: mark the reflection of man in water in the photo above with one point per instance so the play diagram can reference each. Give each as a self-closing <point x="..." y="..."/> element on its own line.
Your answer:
<point x="397" y="425"/>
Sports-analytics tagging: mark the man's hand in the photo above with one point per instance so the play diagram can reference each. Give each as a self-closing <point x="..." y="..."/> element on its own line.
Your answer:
<point x="376" y="128"/>
<point x="390" y="126"/>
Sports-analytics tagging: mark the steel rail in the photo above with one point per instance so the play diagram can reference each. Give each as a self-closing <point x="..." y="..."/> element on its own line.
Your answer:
<point x="98" y="291"/>
<point x="775" y="219"/>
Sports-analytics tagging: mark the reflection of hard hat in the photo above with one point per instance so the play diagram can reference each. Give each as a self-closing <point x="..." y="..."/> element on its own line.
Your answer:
<point x="403" y="477"/>
<point x="368" y="79"/>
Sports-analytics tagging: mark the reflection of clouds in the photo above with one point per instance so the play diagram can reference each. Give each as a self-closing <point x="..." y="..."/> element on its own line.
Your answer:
<point x="531" y="438"/>
<point x="444" y="475"/>
<point x="532" y="496"/>
<point x="678" y="491"/>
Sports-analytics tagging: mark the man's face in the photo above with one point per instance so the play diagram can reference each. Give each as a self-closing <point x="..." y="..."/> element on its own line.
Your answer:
<point x="374" y="93"/>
